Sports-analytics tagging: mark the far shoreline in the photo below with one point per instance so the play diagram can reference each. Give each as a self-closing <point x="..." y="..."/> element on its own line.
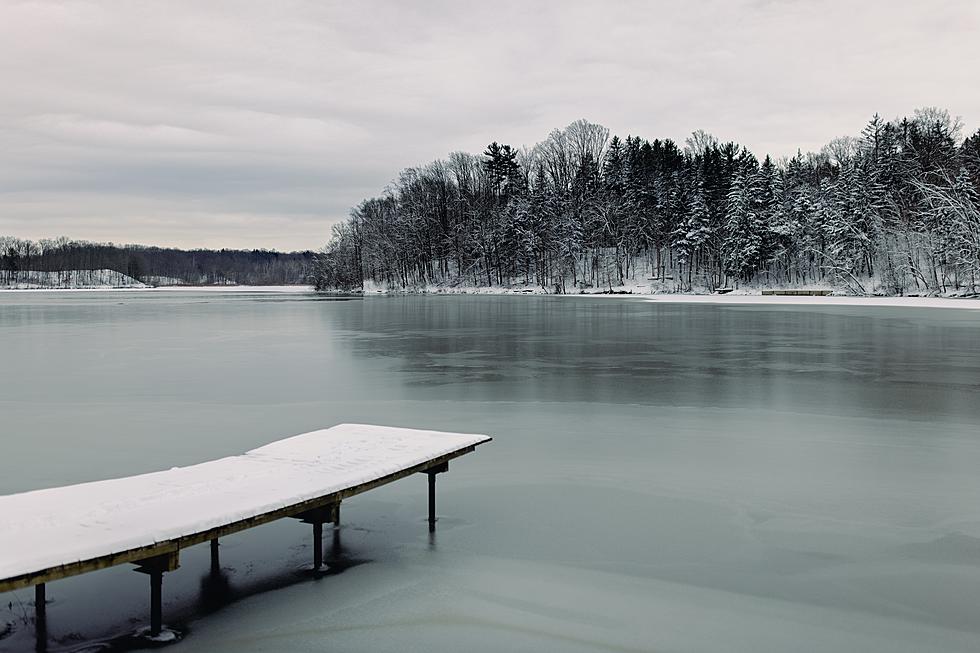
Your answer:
<point x="751" y="297"/>
<point x="288" y="288"/>
<point x="756" y="299"/>
<point x="732" y="299"/>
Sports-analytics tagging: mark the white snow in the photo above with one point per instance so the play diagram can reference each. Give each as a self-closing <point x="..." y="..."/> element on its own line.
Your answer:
<point x="299" y="288"/>
<point x="169" y="289"/>
<point x="797" y="300"/>
<point x="66" y="279"/>
<point x="165" y="636"/>
<point x="51" y="527"/>
<point x="652" y="292"/>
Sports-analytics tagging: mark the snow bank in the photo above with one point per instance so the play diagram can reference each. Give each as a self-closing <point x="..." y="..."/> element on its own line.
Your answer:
<point x="239" y="289"/>
<point x="47" y="528"/>
<point x="797" y="300"/>
<point x="66" y="279"/>
<point x="742" y="296"/>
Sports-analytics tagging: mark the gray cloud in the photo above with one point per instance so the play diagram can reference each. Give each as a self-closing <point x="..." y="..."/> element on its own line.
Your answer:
<point x="253" y="123"/>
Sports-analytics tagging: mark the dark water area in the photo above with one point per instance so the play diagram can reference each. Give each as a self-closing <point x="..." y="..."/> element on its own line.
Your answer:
<point x="663" y="476"/>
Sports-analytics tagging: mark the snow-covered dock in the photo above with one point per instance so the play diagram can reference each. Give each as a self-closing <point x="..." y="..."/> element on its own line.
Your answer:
<point x="147" y="519"/>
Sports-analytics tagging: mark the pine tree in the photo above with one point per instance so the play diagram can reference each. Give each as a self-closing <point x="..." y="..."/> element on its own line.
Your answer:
<point x="695" y="231"/>
<point x="744" y="224"/>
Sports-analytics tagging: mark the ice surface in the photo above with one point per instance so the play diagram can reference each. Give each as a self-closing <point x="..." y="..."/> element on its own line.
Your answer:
<point x="51" y="527"/>
<point x="667" y="476"/>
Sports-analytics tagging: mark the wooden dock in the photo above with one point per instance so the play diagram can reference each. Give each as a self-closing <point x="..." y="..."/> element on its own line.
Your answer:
<point x="146" y="520"/>
<point x="799" y="292"/>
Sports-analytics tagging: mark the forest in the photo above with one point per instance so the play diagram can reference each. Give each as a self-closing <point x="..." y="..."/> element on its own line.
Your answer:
<point x="893" y="210"/>
<point x="157" y="265"/>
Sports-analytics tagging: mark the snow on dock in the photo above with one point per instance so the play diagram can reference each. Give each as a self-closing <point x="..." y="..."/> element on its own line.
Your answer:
<point x="58" y="532"/>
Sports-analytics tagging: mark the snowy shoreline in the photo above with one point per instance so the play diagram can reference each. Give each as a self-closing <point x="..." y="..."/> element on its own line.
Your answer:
<point x="802" y="300"/>
<point x="159" y="289"/>
<point x="748" y="300"/>
<point x="666" y="298"/>
<point x="741" y="297"/>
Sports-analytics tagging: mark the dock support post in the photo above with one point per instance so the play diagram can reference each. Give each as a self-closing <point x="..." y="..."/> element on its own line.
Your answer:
<point x="156" y="602"/>
<point x="154" y="568"/>
<point x="215" y="560"/>
<point x="432" y="501"/>
<point x="40" y="617"/>
<point x="317" y="544"/>
<point x="318" y="517"/>
<point x="431" y="473"/>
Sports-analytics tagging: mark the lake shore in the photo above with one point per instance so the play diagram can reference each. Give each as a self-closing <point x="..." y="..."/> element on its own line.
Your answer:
<point x="227" y="289"/>
<point x="738" y="298"/>
<point x="746" y="297"/>
<point x="830" y="300"/>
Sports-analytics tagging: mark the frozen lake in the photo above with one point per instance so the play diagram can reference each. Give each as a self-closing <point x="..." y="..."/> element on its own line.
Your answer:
<point x="663" y="476"/>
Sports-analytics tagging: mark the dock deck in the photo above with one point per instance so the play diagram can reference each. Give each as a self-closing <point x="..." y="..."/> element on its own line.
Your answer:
<point x="800" y="292"/>
<point x="54" y="533"/>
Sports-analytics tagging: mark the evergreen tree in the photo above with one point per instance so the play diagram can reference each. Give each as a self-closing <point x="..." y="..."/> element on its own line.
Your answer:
<point x="889" y="211"/>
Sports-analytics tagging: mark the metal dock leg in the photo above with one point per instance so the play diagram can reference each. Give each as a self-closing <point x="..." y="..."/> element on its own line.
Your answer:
<point x="40" y="618"/>
<point x="318" y="517"/>
<point x="431" y="473"/>
<point x="156" y="602"/>
<point x="317" y="544"/>
<point x="215" y="560"/>
<point x="432" y="501"/>
<point x="154" y="568"/>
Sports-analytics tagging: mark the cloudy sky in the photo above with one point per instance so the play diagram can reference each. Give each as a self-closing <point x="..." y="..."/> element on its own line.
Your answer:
<point x="259" y="123"/>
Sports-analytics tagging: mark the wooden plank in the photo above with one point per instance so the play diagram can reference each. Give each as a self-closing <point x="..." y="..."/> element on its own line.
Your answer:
<point x="166" y="562"/>
<point x="83" y="566"/>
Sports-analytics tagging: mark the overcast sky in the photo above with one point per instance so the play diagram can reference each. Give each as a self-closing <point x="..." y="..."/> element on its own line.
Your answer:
<point x="259" y="123"/>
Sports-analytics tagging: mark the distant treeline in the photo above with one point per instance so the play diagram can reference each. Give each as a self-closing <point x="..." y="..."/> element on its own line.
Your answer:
<point x="893" y="210"/>
<point x="158" y="265"/>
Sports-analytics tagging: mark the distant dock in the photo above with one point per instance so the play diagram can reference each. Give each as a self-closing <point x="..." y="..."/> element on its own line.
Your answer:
<point x="797" y="292"/>
<point x="148" y="519"/>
